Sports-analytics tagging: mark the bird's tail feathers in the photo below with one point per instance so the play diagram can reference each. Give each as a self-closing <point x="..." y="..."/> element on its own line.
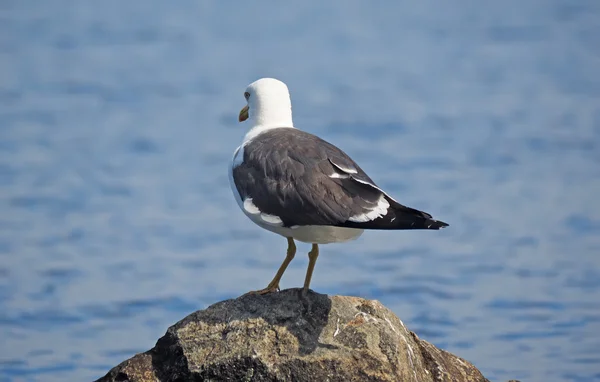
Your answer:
<point x="399" y="217"/>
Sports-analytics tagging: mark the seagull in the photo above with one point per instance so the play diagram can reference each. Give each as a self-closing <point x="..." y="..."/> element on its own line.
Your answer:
<point x="303" y="188"/>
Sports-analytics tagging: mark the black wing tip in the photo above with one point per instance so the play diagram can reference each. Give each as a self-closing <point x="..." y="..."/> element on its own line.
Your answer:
<point x="436" y="224"/>
<point x="400" y="223"/>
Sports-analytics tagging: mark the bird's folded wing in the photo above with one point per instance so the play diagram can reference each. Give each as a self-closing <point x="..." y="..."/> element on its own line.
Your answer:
<point x="303" y="180"/>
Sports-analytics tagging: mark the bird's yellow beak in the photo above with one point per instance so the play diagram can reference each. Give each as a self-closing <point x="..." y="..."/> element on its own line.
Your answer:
<point x="243" y="114"/>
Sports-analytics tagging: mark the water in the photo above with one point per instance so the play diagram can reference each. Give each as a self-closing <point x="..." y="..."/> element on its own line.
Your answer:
<point x="118" y="121"/>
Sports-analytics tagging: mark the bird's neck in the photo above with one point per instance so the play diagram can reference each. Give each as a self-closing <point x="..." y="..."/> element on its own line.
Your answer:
<point x="267" y="116"/>
<point x="271" y="112"/>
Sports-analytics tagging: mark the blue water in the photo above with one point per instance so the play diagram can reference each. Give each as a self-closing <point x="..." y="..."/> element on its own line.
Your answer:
<point x="118" y="121"/>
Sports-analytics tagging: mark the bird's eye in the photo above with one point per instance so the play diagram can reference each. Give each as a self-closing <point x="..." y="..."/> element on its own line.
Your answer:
<point x="247" y="95"/>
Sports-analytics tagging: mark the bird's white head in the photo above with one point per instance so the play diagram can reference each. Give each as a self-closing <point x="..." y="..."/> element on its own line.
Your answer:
<point x="269" y="105"/>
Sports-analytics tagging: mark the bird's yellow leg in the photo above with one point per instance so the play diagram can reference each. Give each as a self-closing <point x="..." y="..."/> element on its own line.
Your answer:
<point x="274" y="284"/>
<point x="312" y="259"/>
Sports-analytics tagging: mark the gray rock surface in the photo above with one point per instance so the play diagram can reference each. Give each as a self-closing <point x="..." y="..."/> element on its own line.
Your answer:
<point x="286" y="336"/>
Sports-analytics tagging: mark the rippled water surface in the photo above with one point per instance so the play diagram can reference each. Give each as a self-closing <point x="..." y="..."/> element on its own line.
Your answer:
<point x="118" y="121"/>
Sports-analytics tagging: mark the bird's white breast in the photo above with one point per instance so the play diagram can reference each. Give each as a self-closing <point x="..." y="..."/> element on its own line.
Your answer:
<point x="238" y="158"/>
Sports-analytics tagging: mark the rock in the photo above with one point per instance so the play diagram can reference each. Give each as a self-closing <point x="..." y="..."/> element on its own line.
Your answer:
<point x="286" y="336"/>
